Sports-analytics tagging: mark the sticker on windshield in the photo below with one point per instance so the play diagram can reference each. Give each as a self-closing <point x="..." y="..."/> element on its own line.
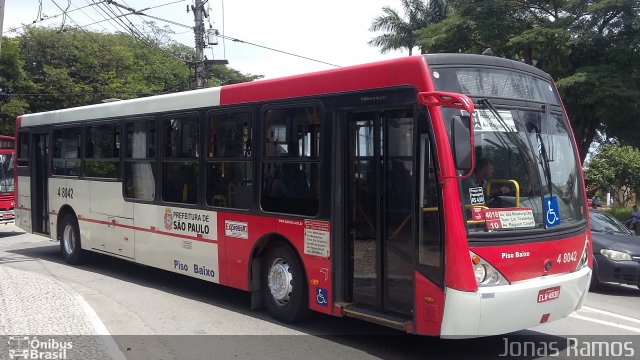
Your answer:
<point x="484" y="120"/>
<point x="509" y="218"/>
<point x="552" y="215"/>
<point x="476" y="196"/>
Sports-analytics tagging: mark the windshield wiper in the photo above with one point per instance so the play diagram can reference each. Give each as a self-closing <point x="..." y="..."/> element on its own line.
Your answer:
<point x="546" y="169"/>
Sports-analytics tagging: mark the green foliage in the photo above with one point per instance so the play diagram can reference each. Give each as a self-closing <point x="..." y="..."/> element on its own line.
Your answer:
<point x="45" y="69"/>
<point x="615" y="169"/>
<point x="590" y="47"/>
<point x="399" y="31"/>
<point x="620" y="213"/>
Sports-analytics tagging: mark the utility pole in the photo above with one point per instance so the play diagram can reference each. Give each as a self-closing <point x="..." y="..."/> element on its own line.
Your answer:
<point x="1" y="20"/>
<point x="198" y="30"/>
<point x="201" y="65"/>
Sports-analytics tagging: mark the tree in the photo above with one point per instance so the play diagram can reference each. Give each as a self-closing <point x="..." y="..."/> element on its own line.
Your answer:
<point x="11" y="74"/>
<point x="46" y="69"/>
<point x="400" y="33"/>
<point x="589" y="47"/>
<point x="615" y="169"/>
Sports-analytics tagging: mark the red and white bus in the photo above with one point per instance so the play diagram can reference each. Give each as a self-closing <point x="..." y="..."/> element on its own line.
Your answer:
<point x="7" y="195"/>
<point x="350" y="192"/>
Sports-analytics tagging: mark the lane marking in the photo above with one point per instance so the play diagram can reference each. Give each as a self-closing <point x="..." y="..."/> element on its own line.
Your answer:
<point x="623" y="317"/>
<point x="101" y="330"/>
<point x="602" y="322"/>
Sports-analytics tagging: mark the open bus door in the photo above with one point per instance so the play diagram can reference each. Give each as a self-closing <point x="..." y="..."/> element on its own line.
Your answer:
<point x="39" y="182"/>
<point x="380" y="229"/>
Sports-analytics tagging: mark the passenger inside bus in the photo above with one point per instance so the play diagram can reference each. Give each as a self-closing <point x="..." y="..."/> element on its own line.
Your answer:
<point x="482" y="173"/>
<point x="291" y="183"/>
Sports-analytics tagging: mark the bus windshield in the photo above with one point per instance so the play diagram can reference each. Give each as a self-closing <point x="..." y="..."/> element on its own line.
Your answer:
<point x="526" y="174"/>
<point x="6" y="173"/>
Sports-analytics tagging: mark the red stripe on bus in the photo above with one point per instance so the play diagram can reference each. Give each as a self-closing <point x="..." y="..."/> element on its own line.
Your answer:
<point x="403" y="71"/>
<point x="149" y="230"/>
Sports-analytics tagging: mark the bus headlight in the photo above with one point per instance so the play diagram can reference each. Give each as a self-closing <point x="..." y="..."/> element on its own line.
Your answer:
<point x="486" y="275"/>
<point x="615" y="255"/>
<point x="584" y="259"/>
<point x="480" y="272"/>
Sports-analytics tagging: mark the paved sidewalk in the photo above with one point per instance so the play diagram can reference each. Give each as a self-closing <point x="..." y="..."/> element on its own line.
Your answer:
<point x="36" y="309"/>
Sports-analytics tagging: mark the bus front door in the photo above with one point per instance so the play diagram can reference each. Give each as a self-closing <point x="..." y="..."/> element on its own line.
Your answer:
<point x="380" y="210"/>
<point x="39" y="183"/>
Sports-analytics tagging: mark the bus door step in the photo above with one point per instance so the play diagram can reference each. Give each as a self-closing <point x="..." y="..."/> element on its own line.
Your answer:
<point x="394" y="321"/>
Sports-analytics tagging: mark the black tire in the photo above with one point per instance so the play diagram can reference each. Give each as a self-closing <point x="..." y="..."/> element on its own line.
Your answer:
<point x="70" y="245"/>
<point x="287" y="301"/>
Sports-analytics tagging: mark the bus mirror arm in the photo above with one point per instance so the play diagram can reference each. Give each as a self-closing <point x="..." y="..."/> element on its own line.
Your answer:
<point x="460" y="138"/>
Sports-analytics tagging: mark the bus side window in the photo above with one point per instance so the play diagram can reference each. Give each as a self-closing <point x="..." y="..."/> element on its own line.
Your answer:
<point x="139" y="160"/>
<point x="229" y="169"/>
<point x="180" y="162"/>
<point x="291" y="160"/>
<point x="66" y="159"/>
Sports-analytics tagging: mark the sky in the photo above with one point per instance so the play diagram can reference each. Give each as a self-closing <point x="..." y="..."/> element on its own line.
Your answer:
<point x="331" y="31"/>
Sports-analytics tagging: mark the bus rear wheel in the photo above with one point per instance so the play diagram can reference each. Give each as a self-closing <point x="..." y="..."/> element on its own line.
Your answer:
<point x="284" y="288"/>
<point x="70" y="240"/>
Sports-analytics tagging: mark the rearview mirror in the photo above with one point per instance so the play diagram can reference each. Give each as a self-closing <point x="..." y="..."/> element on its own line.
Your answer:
<point x="462" y="129"/>
<point x="461" y="138"/>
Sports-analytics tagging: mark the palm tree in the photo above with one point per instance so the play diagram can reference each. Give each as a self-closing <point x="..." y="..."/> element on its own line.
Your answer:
<point x="400" y="33"/>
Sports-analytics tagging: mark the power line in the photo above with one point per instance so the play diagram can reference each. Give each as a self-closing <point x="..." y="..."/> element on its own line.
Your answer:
<point x="244" y="42"/>
<point x="276" y="50"/>
<point x="99" y="13"/>
<point x="117" y="19"/>
<point x="15" y="29"/>
<point x="140" y="12"/>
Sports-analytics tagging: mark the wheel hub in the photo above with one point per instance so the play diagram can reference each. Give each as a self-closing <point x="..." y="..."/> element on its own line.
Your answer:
<point x="68" y="238"/>
<point x="280" y="281"/>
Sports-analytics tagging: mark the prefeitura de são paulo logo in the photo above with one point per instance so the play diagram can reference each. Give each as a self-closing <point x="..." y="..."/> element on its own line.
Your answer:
<point x="168" y="218"/>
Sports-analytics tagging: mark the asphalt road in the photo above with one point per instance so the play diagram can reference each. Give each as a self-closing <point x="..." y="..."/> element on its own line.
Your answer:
<point x="134" y="301"/>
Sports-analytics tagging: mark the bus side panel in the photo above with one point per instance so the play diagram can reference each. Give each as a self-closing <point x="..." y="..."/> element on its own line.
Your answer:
<point x="312" y="241"/>
<point x="55" y="203"/>
<point x="23" y="207"/>
<point x="240" y="233"/>
<point x="72" y="192"/>
<point x="429" y="306"/>
<point x="106" y="199"/>
<point x="181" y="240"/>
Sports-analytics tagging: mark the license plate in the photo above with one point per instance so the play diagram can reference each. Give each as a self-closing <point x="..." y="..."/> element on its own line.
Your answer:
<point x="549" y="294"/>
<point x="7" y="216"/>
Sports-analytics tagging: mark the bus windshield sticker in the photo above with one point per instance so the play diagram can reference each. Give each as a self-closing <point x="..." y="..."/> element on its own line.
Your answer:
<point x="476" y="195"/>
<point x="477" y="214"/>
<point x="484" y="120"/>
<point x="551" y="212"/>
<point x="316" y="238"/>
<point x="509" y="218"/>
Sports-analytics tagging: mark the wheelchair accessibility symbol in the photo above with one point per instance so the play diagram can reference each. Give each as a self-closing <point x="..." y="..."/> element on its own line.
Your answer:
<point x="552" y="215"/>
<point x="321" y="297"/>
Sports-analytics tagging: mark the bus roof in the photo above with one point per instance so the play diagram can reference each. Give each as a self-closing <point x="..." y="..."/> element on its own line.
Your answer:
<point x="395" y="72"/>
<point x="410" y="71"/>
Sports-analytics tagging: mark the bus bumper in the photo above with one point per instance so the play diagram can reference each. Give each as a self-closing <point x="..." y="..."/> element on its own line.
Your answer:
<point x="7" y="217"/>
<point x="502" y="309"/>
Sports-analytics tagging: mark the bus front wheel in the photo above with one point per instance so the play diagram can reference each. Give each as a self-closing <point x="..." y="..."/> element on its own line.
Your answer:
<point x="284" y="289"/>
<point x="70" y="240"/>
